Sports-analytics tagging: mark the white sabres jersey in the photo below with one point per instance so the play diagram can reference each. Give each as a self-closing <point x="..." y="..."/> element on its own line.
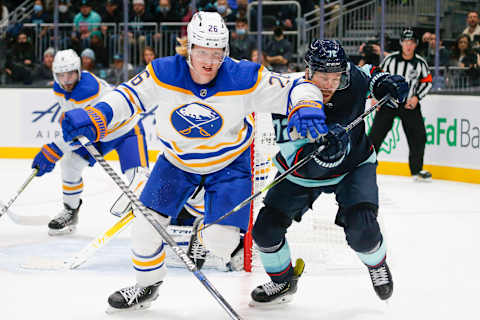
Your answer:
<point x="206" y="127"/>
<point x="89" y="91"/>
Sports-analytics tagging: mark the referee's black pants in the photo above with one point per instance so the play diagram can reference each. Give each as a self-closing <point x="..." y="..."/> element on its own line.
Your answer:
<point x="413" y="126"/>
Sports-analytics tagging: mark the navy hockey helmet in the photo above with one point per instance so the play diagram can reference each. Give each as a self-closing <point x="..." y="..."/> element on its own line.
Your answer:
<point x="328" y="56"/>
<point x="407" y="34"/>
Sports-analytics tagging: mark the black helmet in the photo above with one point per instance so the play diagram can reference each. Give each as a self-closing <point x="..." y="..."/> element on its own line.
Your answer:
<point x="327" y="56"/>
<point x="407" y="34"/>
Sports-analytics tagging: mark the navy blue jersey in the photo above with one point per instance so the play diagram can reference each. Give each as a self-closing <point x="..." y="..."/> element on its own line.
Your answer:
<point x="344" y="106"/>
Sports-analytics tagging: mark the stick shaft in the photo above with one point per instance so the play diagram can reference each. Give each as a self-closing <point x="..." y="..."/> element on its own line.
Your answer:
<point x="19" y="191"/>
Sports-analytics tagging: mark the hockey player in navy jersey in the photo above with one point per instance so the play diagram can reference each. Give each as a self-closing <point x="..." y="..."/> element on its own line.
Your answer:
<point x="77" y="89"/>
<point x="346" y="167"/>
<point x="203" y="118"/>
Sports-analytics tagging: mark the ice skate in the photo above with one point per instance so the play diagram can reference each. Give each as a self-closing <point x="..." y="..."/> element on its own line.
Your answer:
<point x="272" y="293"/>
<point x="423" y="176"/>
<point x="381" y="280"/>
<point x="196" y="251"/>
<point x="133" y="298"/>
<point x="65" y="222"/>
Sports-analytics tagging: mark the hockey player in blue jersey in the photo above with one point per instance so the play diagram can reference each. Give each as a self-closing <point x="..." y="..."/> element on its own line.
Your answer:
<point x="203" y="118"/>
<point x="346" y="167"/>
<point x="74" y="89"/>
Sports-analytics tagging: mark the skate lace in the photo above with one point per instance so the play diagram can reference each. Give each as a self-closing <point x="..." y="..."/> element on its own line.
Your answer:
<point x="64" y="216"/>
<point x="379" y="276"/>
<point x="272" y="288"/>
<point x="132" y="293"/>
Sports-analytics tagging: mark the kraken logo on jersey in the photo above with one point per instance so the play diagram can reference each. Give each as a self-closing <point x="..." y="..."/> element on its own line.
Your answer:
<point x="196" y="120"/>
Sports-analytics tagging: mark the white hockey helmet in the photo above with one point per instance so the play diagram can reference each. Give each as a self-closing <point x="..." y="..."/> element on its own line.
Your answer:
<point x="66" y="61"/>
<point x="207" y="29"/>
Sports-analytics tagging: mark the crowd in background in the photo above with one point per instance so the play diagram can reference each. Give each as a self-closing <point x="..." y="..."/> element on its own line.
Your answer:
<point x="95" y="44"/>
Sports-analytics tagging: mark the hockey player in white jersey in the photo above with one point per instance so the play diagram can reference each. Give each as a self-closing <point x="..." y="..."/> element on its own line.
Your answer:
<point x="77" y="89"/>
<point x="203" y="118"/>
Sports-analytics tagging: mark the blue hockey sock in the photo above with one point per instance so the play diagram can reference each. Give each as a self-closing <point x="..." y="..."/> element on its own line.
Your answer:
<point x="278" y="263"/>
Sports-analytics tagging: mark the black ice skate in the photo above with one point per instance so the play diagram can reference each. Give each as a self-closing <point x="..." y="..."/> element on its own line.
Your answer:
<point x="65" y="222"/>
<point x="381" y="280"/>
<point x="133" y="298"/>
<point x="423" y="176"/>
<point x="272" y="293"/>
<point x="196" y="251"/>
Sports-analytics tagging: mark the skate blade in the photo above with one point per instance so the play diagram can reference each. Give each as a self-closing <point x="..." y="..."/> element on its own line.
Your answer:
<point x="45" y="263"/>
<point x="273" y="303"/>
<point x="61" y="232"/>
<point x="137" y="307"/>
<point x="417" y="179"/>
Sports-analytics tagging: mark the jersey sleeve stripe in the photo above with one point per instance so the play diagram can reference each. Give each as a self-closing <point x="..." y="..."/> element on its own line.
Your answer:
<point x="141" y="147"/>
<point x="136" y="95"/>
<point x="132" y="109"/>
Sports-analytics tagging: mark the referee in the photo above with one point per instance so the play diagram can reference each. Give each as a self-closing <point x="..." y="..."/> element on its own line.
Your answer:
<point x="415" y="70"/>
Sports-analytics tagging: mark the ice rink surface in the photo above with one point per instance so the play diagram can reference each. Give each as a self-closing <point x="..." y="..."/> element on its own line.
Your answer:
<point x="431" y="229"/>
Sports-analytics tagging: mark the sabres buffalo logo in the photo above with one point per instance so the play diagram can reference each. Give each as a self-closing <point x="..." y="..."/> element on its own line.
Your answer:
<point x="196" y="120"/>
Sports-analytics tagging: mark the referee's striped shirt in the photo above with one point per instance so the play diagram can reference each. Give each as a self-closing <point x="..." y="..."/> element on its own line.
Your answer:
<point x="415" y="71"/>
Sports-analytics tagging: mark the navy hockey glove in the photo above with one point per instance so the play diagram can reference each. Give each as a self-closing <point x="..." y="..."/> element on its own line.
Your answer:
<point x="336" y="142"/>
<point x="45" y="160"/>
<point x="308" y="122"/>
<point x="90" y="122"/>
<point x="384" y="83"/>
<point x="82" y="152"/>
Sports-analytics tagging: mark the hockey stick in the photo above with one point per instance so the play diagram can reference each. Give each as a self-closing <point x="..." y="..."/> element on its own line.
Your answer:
<point x="297" y="166"/>
<point x="159" y="228"/>
<point x="20" y="219"/>
<point x="82" y="256"/>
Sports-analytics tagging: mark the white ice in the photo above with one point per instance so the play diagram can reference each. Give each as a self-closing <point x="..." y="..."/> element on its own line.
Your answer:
<point x="430" y="227"/>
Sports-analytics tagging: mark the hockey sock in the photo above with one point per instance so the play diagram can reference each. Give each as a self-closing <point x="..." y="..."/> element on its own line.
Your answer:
<point x="374" y="256"/>
<point x="150" y="268"/>
<point x="72" y="192"/>
<point x="277" y="262"/>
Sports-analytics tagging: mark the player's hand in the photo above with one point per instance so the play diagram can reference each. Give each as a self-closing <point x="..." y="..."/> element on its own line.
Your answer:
<point x="336" y="143"/>
<point x="411" y="103"/>
<point x="308" y="122"/>
<point x="45" y="160"/>
<point x="90" y="122"/>
<point x="394" y="85"/>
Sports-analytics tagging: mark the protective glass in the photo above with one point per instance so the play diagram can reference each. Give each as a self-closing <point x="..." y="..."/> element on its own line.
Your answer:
<point x="208" y="56"/>
<point x="331" y="80"/>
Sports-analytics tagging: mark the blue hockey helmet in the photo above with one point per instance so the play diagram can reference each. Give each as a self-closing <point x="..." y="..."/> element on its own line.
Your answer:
<point x="328" y="56"/>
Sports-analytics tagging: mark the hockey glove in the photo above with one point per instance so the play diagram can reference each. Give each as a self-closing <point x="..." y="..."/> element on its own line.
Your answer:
<point x="45" y="160"/>
<point x="384" y="83"/>
<point x="336" y="142"/>
<point x="82" y="152"/>
<point x="90" y="122"/>
<point x="306" y="122"/>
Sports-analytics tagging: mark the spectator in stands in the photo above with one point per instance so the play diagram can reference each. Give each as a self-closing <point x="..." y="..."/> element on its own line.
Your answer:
<point x="43" y="74"/>
<point x="39" y="14"/>
<point x="112" y="12"/>
<point x="463" y="54"/>
<point x="98" y="47"/>
<point x="370" y="51"/>
<point x="422" y="48"/>
<point x="225" y="11"/>
<point x="263" y="59"/>
<point x="241" y="9"/>
<point x="279" y="51"/>
<point x="3" y="15"/>
<point x="140" y="35"/>
<point x="87" y="20"/>
<point x="115" y="73"/>
<point x="473" y="29"/>
<point x="148" y="56"/>
<point x="65" y="11"/>
<point x="242" y="43"/>
<point x="19" y="65"/>
<point x="88" y="60"/>
<point x="430" y="54"/>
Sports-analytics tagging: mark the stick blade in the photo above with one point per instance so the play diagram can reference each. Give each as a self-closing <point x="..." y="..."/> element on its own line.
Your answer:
<point x="26" y="220"/>
<point x="46" y="263"/>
